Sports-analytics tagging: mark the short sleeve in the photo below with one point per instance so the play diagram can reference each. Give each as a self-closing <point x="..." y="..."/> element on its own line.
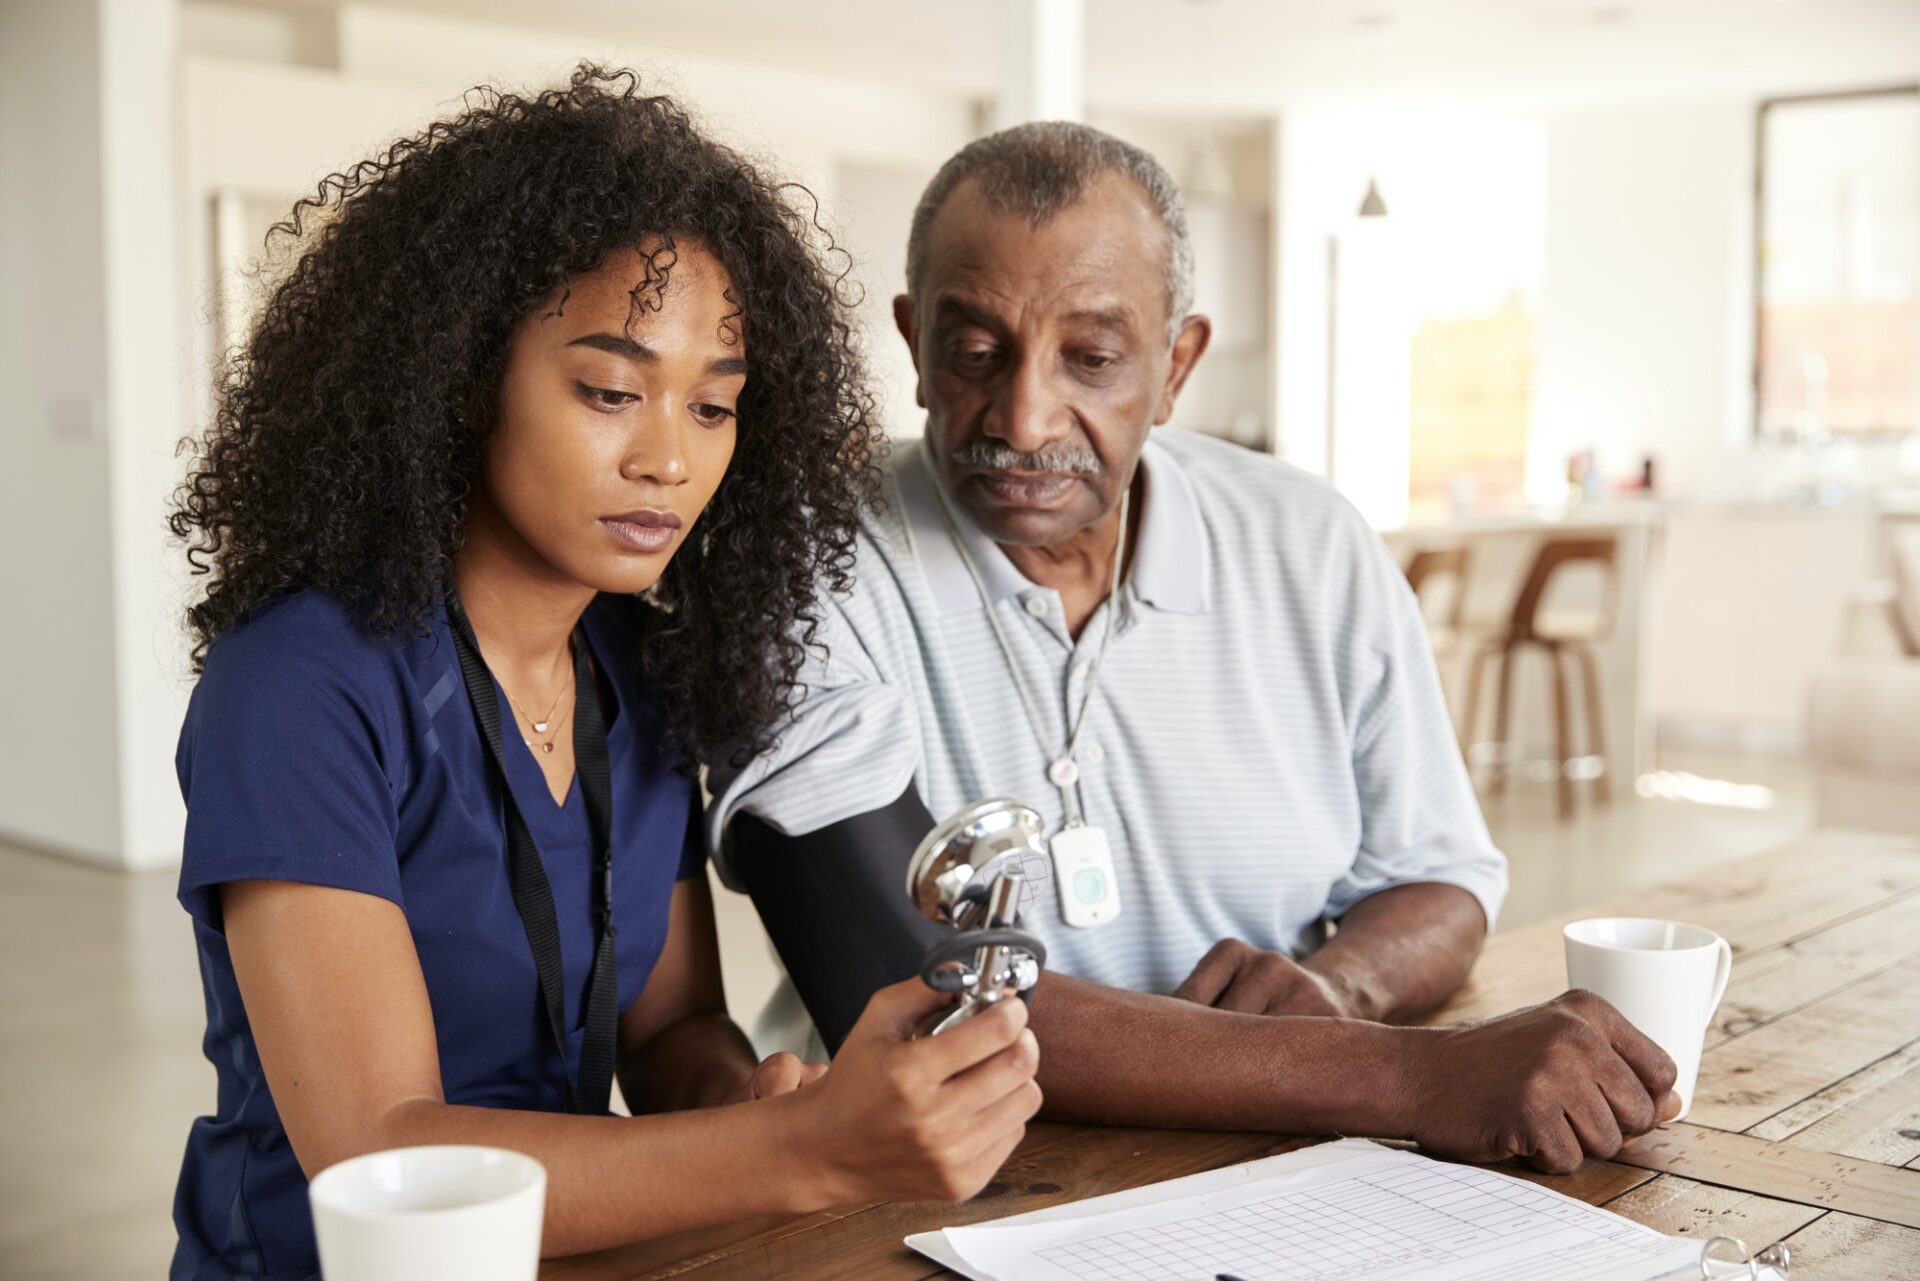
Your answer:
<point x="693" y="847"/>
<point x="850" y="745"/>
<point x="283" y="762"/>
<point x="1420" y="821"/>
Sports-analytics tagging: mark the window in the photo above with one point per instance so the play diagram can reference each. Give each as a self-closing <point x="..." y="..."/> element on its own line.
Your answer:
<point x="1837" y="324"/>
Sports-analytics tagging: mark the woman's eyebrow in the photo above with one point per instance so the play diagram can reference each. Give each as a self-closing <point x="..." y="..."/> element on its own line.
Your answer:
<point x="618" y="345"/>
<point x="632" y="349"/>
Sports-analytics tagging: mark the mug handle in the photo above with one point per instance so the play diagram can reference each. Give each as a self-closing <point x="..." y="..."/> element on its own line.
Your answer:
<point x="1723" y="970"/>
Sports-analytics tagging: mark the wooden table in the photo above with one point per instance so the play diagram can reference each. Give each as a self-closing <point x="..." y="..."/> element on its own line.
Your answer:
<point x="1805" y="1125"/>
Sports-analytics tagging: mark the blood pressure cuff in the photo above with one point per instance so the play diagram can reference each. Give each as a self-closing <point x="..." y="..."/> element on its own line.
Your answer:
<point x="835" y="903"/>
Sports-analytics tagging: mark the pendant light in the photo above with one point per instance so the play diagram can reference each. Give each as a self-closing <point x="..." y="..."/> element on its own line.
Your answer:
<point x="1371" y="205"/>
<point x="1375" y="31"/>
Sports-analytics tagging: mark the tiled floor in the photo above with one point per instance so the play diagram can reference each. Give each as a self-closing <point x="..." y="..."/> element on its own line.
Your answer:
<point x="100" y="1070"/>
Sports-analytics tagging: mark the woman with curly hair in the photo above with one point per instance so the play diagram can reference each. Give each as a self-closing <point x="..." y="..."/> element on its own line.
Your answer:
<point x="513" y="508"/>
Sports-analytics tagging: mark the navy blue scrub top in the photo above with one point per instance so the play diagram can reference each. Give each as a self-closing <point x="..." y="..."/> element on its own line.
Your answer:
<point x="312" y="752"/>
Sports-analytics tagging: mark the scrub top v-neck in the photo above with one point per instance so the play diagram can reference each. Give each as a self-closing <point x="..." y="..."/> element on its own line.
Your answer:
<point x="314" y="753"/>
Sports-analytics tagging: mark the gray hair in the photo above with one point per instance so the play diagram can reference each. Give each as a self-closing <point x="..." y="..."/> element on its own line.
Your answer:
<point x="1039" y="169"/>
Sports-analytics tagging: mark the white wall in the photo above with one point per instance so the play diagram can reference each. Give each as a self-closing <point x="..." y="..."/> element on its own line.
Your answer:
<point x="875" y="203"/>
<point x="1645" y="320"/>
<point x="802" y="122"/>
<point x="89" y="393"/>
<point x="59" y="754"/>
<point x="147" y="399"/>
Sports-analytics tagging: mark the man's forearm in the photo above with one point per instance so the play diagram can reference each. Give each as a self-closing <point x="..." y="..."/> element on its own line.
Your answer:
<point x="1129" y="1058"/>
<point x="1402" y="952"/>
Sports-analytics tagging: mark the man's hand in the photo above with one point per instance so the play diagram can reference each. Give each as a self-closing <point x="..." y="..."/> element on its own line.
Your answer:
<point x="1245" y="979"/>
<point x="781" y="1073"/>
<point x="1551" y="1085"/>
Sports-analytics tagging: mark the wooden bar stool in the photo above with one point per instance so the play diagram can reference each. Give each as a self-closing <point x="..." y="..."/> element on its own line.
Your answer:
<point x="1567" y="638"/>
<point x="1429" y="573"/>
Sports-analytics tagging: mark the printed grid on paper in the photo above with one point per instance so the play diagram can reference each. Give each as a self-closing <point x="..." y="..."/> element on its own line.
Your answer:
<point x="1382" y="1225"/>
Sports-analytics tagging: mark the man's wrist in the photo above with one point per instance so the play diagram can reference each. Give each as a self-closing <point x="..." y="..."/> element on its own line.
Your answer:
<point x="1405" y="1079"/>
<point x="1321" y="1075"/>
<point x="1352" y="985"/>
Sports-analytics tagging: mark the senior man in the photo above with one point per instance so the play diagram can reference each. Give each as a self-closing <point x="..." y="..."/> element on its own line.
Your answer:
<point x="1200" y="665"/>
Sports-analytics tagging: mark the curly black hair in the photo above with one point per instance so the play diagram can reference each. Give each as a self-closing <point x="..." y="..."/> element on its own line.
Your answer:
<point x="340" y="455"/>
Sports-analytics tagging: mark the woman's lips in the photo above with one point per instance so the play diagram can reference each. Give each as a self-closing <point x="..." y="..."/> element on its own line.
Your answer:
<point x="646" y="530"/>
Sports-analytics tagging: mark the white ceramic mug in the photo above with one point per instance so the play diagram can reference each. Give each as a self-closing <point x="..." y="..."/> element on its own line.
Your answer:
<point x="430" y="1214"/>
<point x="1667" y="978"/>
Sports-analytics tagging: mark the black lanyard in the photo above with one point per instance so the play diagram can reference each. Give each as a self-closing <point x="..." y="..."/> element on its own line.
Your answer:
<point x="532" y="895"/>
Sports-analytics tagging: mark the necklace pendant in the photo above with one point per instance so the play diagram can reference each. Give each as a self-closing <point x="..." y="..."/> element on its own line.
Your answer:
<point x="540" y="727"/>
<point x="547" y="746"/>
<point x="1063" y="772"/>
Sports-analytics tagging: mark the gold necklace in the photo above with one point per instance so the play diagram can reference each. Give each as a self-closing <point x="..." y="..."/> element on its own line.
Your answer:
<point x="544" y="723"/>
<point x="546" y="745"/>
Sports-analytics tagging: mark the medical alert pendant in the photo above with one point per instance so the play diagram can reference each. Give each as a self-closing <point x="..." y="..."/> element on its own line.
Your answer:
<point x="1083" y="869"/>
<point x="1063" y="772"/>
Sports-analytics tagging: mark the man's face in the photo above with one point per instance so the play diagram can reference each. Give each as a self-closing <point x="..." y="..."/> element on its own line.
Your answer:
<point x="1043" y="357"/>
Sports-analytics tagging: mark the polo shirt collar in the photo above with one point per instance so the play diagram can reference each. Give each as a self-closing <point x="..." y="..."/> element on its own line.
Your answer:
<point x="1170" y="564"/>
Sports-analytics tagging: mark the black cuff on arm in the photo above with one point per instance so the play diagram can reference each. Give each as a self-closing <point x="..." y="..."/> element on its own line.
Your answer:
<point x="835" y="903"/>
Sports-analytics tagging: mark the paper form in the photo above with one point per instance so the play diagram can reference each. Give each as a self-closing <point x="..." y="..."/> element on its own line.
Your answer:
<point x="1383" y="1214"/>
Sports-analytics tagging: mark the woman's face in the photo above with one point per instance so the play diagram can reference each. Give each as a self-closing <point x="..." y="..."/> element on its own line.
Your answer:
<point x="616" y="421"/>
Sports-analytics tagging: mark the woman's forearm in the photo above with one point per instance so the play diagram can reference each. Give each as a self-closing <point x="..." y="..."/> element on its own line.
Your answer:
<point x="612" y="1180"/>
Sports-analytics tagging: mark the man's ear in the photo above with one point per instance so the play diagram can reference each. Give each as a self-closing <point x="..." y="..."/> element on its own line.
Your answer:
<point x="905" y="322"/>
<point x="1188" y="346"/>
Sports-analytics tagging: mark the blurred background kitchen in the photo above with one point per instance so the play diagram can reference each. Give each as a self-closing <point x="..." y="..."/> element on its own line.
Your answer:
<point x="1605" y="312"/>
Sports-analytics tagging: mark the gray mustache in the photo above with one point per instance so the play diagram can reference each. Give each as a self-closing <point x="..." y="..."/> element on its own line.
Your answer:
<point x="988" y="456"/>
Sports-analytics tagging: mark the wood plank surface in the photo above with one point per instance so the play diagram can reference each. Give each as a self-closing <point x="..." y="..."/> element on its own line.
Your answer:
<point x="1843" y="1247"/>
<point x="1595" y="1182"/>
<point x="1779" y="980"/>
<point x="1746" y="1080"/>
<point x="1873" y="1115"/>
<point x="1684" y="1207"/>
<point x="1818" y="1179"/>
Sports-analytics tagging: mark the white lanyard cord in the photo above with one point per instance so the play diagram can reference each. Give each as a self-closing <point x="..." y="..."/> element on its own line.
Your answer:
<point x="1068" y="799"/>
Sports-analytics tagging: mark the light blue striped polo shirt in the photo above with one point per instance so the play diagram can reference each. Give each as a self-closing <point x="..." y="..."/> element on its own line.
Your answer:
<point x="1267" y="743"/>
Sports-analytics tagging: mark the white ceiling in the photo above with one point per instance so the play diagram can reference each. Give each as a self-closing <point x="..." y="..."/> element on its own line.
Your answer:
<point x="1235" y="56"/>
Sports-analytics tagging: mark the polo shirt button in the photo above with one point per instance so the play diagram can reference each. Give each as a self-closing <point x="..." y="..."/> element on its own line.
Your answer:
<point x="1037" y="606"/>
<point x="1096" y="753"/>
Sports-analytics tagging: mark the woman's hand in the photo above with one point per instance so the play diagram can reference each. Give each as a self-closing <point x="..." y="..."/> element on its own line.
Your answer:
<point x="903" y="1119"/>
